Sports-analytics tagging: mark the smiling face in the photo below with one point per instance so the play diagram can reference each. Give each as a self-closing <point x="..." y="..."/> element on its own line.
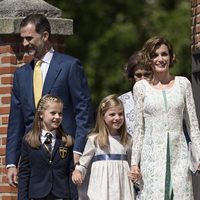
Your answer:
<point x="33" y="42"/>
<point x="51" y="117"/>
<point x="161" y="59"/>
<point x="114" y="119"/>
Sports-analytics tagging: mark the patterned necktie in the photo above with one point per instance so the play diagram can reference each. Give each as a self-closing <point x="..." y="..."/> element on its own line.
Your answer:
<point x="37" y="82"/>
<point x="48" y="144"/>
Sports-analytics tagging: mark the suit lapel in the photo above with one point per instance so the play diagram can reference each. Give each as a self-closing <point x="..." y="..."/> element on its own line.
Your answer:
<point x="44" y="153"/>
<point x="52" y="74"/>
<point x="28" y="81"/>
<point x="55" y="149"/>
<point x="58" y="143"/>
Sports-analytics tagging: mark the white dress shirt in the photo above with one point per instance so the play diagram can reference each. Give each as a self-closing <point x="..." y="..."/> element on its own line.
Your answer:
<point x="46" y="62"/>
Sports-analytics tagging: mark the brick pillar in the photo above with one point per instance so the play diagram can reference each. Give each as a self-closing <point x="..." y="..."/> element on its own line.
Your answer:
<point x="195" y="27"/>
<point x="8" y="64"/>
<point x="195" y="52"/>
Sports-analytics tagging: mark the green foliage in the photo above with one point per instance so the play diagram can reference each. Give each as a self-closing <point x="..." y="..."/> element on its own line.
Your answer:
<point x="106" y="33"/>
<point x="173" y="24"/>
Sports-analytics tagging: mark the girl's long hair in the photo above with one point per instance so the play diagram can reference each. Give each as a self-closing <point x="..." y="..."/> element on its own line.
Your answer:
<point x="101" y="128"/>
<point x="33" y="136"/>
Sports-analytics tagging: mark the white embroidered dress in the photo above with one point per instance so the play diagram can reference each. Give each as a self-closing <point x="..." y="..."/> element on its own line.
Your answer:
<point x="159" y="123"/>
<point x="108" y="178"/>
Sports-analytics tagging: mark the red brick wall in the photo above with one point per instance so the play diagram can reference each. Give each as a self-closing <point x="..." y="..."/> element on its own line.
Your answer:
<point x="11" y="57"/>
<point x="195" y="27"/>
<point x="195" y="52"/>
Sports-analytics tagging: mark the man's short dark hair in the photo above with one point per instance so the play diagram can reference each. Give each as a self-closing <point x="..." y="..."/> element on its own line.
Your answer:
<point x="40" y="21"/>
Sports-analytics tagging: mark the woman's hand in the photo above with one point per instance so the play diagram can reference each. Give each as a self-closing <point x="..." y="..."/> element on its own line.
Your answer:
<point x="77" y="177"/>
<point x="134" y="174"/>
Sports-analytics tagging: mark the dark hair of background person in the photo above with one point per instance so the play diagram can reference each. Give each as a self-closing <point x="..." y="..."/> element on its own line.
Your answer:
<point x="135" y="62"/>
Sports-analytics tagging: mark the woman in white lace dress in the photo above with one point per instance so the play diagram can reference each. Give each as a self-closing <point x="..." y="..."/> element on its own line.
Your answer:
<point x="134" y="71"/>
<point x="160" y="151"/>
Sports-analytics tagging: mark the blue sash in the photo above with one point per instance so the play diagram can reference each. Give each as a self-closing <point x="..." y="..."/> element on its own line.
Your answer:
<point x="110" y="157"/>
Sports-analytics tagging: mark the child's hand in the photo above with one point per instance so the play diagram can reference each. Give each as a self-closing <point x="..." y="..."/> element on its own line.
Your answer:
<point x="77" y="177"/>
<point x="134" y="174"/>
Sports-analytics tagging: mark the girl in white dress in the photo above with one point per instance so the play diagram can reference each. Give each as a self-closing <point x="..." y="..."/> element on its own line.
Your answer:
<point x="160" y="151"/>
<point x="108" y="149"/>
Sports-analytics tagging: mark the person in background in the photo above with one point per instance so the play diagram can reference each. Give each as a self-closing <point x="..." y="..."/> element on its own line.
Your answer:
<point x="44" y="167"/>
<point x="50" y="72"/>
<point x="160" y="151"/>
<point x="108" y="150"/>
<point x="135" y="70"/>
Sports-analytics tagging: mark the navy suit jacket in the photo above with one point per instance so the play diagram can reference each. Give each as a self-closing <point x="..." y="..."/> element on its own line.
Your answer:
<point x="66" y="79"/>
<point x="38" y="177"/>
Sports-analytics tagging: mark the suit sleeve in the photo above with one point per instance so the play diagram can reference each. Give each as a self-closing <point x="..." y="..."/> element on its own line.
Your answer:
<point x="16" y="126"/>
<point x="24" y="172"/>
<point x="81" y="103"/>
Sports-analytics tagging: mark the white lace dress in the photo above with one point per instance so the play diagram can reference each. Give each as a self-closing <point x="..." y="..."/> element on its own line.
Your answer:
<point x="159" y="144"/>
<point x="108" y="178"/>
<point x="128" y="102"/>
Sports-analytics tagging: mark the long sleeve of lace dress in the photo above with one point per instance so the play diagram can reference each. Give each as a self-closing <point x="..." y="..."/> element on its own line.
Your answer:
<point x="138" y="95"/>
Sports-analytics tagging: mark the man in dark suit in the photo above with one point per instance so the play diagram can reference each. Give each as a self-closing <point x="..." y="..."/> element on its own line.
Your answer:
<point x="62" y="75"/>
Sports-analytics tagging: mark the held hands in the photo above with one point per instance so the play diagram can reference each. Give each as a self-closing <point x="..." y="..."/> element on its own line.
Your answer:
<point x="134" y="174"/>
<point x="77" y="177"/>
<point x="12" y="176"/>
<point x="199" y="167"/>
